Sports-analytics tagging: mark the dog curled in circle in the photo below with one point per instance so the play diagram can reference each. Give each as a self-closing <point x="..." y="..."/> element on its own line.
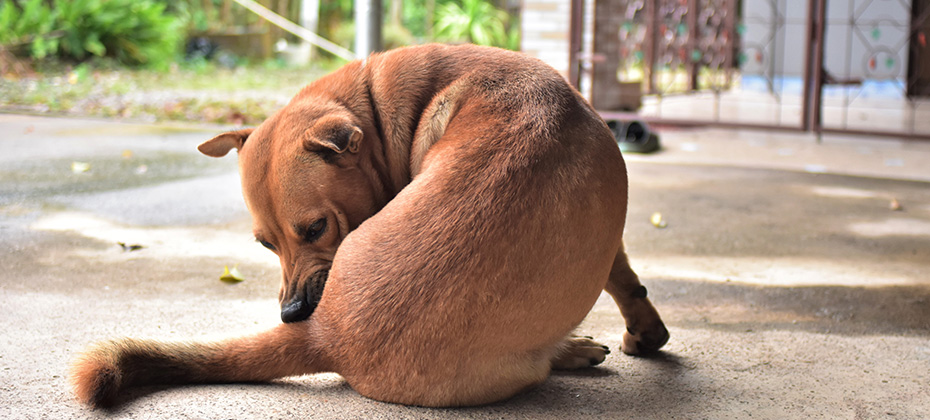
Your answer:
<point x="445" y="217"/>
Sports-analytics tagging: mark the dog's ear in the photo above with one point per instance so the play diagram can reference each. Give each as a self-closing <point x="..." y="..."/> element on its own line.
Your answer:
<point x="333" y="134"/>
<point x="220" y="145"/>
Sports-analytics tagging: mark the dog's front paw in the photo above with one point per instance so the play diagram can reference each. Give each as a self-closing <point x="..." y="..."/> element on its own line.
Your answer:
<point x="579" y="352"/>
<point x="638" y="341"/>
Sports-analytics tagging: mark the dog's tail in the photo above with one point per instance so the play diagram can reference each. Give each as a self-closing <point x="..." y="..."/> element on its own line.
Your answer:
<point x="105" y="370"/>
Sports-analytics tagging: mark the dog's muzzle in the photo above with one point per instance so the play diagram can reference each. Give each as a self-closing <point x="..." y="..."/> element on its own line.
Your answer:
<point x="301" y="306"/>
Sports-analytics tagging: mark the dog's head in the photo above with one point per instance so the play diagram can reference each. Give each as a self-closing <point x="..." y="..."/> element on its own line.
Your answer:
<point x="306" y="187"/>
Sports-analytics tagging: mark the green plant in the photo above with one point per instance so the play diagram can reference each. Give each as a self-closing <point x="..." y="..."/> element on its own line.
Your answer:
<point x="27" y="26"/>
<point x="132" y="31"/>
<point x="476" y="21"/>
<point x="513" y="35"/>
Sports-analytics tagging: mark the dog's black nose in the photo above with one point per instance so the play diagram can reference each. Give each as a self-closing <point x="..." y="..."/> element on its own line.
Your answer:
<point x="296" y="310"/>
<point x="302" y="305"/>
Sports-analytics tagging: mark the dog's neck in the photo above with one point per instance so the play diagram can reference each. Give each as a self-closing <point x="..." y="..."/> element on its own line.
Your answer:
<point x="402" y="105"/>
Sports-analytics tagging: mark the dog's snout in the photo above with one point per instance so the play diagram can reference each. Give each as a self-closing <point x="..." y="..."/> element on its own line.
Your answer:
<point x="296" y="310"/>
<point x="304" y="302"/>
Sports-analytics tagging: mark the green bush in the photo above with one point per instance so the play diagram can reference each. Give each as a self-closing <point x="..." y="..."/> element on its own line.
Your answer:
<point x="26" y="26"/>
<point x="476" y="21"/>
<point x="136" y="32"/>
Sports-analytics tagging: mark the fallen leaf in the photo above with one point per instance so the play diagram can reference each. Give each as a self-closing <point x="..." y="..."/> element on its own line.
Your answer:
<point x="130" y="248"/>
<point x="231" y="275"/>
<point x="895" y="205"/>
<point x="657" y="220"/>
<point x="80" y="167"/>
<point x="127" y="154"/>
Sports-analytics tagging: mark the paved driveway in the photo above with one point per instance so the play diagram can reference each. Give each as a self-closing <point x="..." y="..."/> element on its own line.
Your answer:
<point x="789" y="293"/>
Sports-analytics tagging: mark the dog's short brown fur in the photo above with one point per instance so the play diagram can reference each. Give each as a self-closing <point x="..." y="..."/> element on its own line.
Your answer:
<point x="464" y="208"/>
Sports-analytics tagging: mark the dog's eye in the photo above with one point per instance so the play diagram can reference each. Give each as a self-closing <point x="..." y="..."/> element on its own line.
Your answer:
<point x="315" y="230"/>
<point x="267" y="244"/>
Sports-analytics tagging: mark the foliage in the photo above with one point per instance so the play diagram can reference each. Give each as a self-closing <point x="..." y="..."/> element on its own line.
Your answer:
<point x="31" y="19"/>
<point x="418" y="18"/>
<point x="475" y="21"/>
<point x="132" y="31"/>
<point x="513" y="35"/>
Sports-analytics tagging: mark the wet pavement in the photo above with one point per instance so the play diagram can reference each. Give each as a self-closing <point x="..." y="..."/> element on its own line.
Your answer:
<point x="791" y="287"/>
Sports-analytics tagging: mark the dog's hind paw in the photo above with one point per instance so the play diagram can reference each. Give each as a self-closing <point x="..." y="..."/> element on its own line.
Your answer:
<point x="579" y="352"/>
<point x="646" y="341"/>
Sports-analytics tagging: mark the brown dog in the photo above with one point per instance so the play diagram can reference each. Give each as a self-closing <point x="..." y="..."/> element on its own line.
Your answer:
<point x="463" y="207"/>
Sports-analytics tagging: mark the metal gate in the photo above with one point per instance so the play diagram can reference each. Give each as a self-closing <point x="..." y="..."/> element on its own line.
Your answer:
<point x="851" y="66"/>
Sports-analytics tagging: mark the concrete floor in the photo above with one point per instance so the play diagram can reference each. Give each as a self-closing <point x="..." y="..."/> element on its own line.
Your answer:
<point x="790" y="287"/>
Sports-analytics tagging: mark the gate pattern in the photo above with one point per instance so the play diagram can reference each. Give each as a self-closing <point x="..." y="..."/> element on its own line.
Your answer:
<point x="676" y="45"/>
<point x="859" y="66"/>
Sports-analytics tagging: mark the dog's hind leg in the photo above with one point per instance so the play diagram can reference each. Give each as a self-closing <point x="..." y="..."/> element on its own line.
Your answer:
<point x="579" y="352"/>
<point x="645" y="331"/>
<point x="102" y="373"/>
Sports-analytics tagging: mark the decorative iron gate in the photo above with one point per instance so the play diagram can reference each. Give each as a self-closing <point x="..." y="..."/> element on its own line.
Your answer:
<point x="853" y="66"/>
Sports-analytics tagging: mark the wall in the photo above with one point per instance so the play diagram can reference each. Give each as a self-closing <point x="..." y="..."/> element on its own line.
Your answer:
<point x="545" y="26"/>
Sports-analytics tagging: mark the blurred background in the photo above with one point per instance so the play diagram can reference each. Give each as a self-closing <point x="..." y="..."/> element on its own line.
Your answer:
<point x="822" y="66"/>
<point x="217" y="61"/>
